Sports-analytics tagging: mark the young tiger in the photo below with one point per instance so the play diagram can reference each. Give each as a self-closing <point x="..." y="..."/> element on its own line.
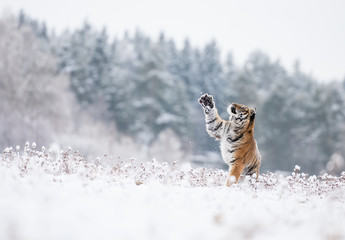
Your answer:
<point x="238" y="146"/>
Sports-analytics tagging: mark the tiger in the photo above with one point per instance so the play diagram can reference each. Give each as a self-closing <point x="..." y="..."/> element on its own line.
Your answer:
<point x="238" y="146"/>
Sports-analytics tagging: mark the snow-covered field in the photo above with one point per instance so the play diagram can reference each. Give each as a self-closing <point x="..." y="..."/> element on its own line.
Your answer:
<point x="47" y="195"/>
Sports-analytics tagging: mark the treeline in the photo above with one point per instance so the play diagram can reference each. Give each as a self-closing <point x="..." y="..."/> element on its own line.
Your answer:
<point x="147" y="86"/>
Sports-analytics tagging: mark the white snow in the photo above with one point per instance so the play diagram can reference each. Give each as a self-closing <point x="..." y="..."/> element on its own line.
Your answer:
<point x="297" y="168"/>
<point x="66" y="197"/>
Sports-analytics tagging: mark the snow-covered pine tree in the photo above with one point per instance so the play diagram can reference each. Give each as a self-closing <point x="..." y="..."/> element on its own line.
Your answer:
<point x="76" y="57"/>
<point x="156" y="100"/>
<point x="210" y="77"/>
<point x="99" y="62"/>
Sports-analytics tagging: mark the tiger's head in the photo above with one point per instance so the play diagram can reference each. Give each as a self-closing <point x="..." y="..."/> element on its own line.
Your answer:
<point x="241" y="115"/>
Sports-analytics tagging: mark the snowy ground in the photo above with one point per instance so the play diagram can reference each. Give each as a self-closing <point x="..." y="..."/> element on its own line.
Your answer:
<point x="45" y="195"/>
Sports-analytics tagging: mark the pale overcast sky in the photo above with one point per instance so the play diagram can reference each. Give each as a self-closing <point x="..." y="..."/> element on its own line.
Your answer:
<point x="312" y="31"/>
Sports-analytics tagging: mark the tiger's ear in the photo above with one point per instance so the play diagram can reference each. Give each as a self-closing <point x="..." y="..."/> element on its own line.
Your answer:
<point x="252" y="114"/>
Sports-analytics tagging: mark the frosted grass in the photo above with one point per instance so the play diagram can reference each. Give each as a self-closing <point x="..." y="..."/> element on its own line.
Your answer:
<point x="61" y="195"/>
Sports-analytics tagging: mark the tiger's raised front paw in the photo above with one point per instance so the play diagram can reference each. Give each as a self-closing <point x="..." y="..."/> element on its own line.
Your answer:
<point x="206" y="101"/>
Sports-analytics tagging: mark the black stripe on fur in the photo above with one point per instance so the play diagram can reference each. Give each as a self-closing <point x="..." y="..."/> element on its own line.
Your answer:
<point x="251" y="169"/>
<point x="212" y="121"/>
<point x="235" y="139"/>
<point x="218" y="126"/>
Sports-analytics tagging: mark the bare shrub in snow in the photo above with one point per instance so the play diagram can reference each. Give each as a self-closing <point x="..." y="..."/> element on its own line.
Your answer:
<point x="34" y="99"/>
<point x="68" y="162"/>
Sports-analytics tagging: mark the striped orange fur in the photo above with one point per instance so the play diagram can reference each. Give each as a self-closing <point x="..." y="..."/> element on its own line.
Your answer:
<point x="236" y="135"/>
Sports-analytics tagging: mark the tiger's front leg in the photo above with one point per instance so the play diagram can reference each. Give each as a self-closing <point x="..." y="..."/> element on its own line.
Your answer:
<point x="214" y="124"/>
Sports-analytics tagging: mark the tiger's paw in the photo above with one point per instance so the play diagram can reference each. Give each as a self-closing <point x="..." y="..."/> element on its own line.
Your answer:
<point x="206" y="101"/>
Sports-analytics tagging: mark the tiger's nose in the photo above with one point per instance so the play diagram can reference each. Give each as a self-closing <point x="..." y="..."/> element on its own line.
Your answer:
<point x="233" y="109"/>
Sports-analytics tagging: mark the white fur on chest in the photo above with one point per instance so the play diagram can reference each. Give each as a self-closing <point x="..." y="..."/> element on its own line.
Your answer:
<point x="225" y="149"/>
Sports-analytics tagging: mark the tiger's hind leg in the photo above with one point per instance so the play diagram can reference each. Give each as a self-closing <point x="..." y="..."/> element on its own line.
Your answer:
<point x="257" y="171"/>
<point x="234" y="174"/>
